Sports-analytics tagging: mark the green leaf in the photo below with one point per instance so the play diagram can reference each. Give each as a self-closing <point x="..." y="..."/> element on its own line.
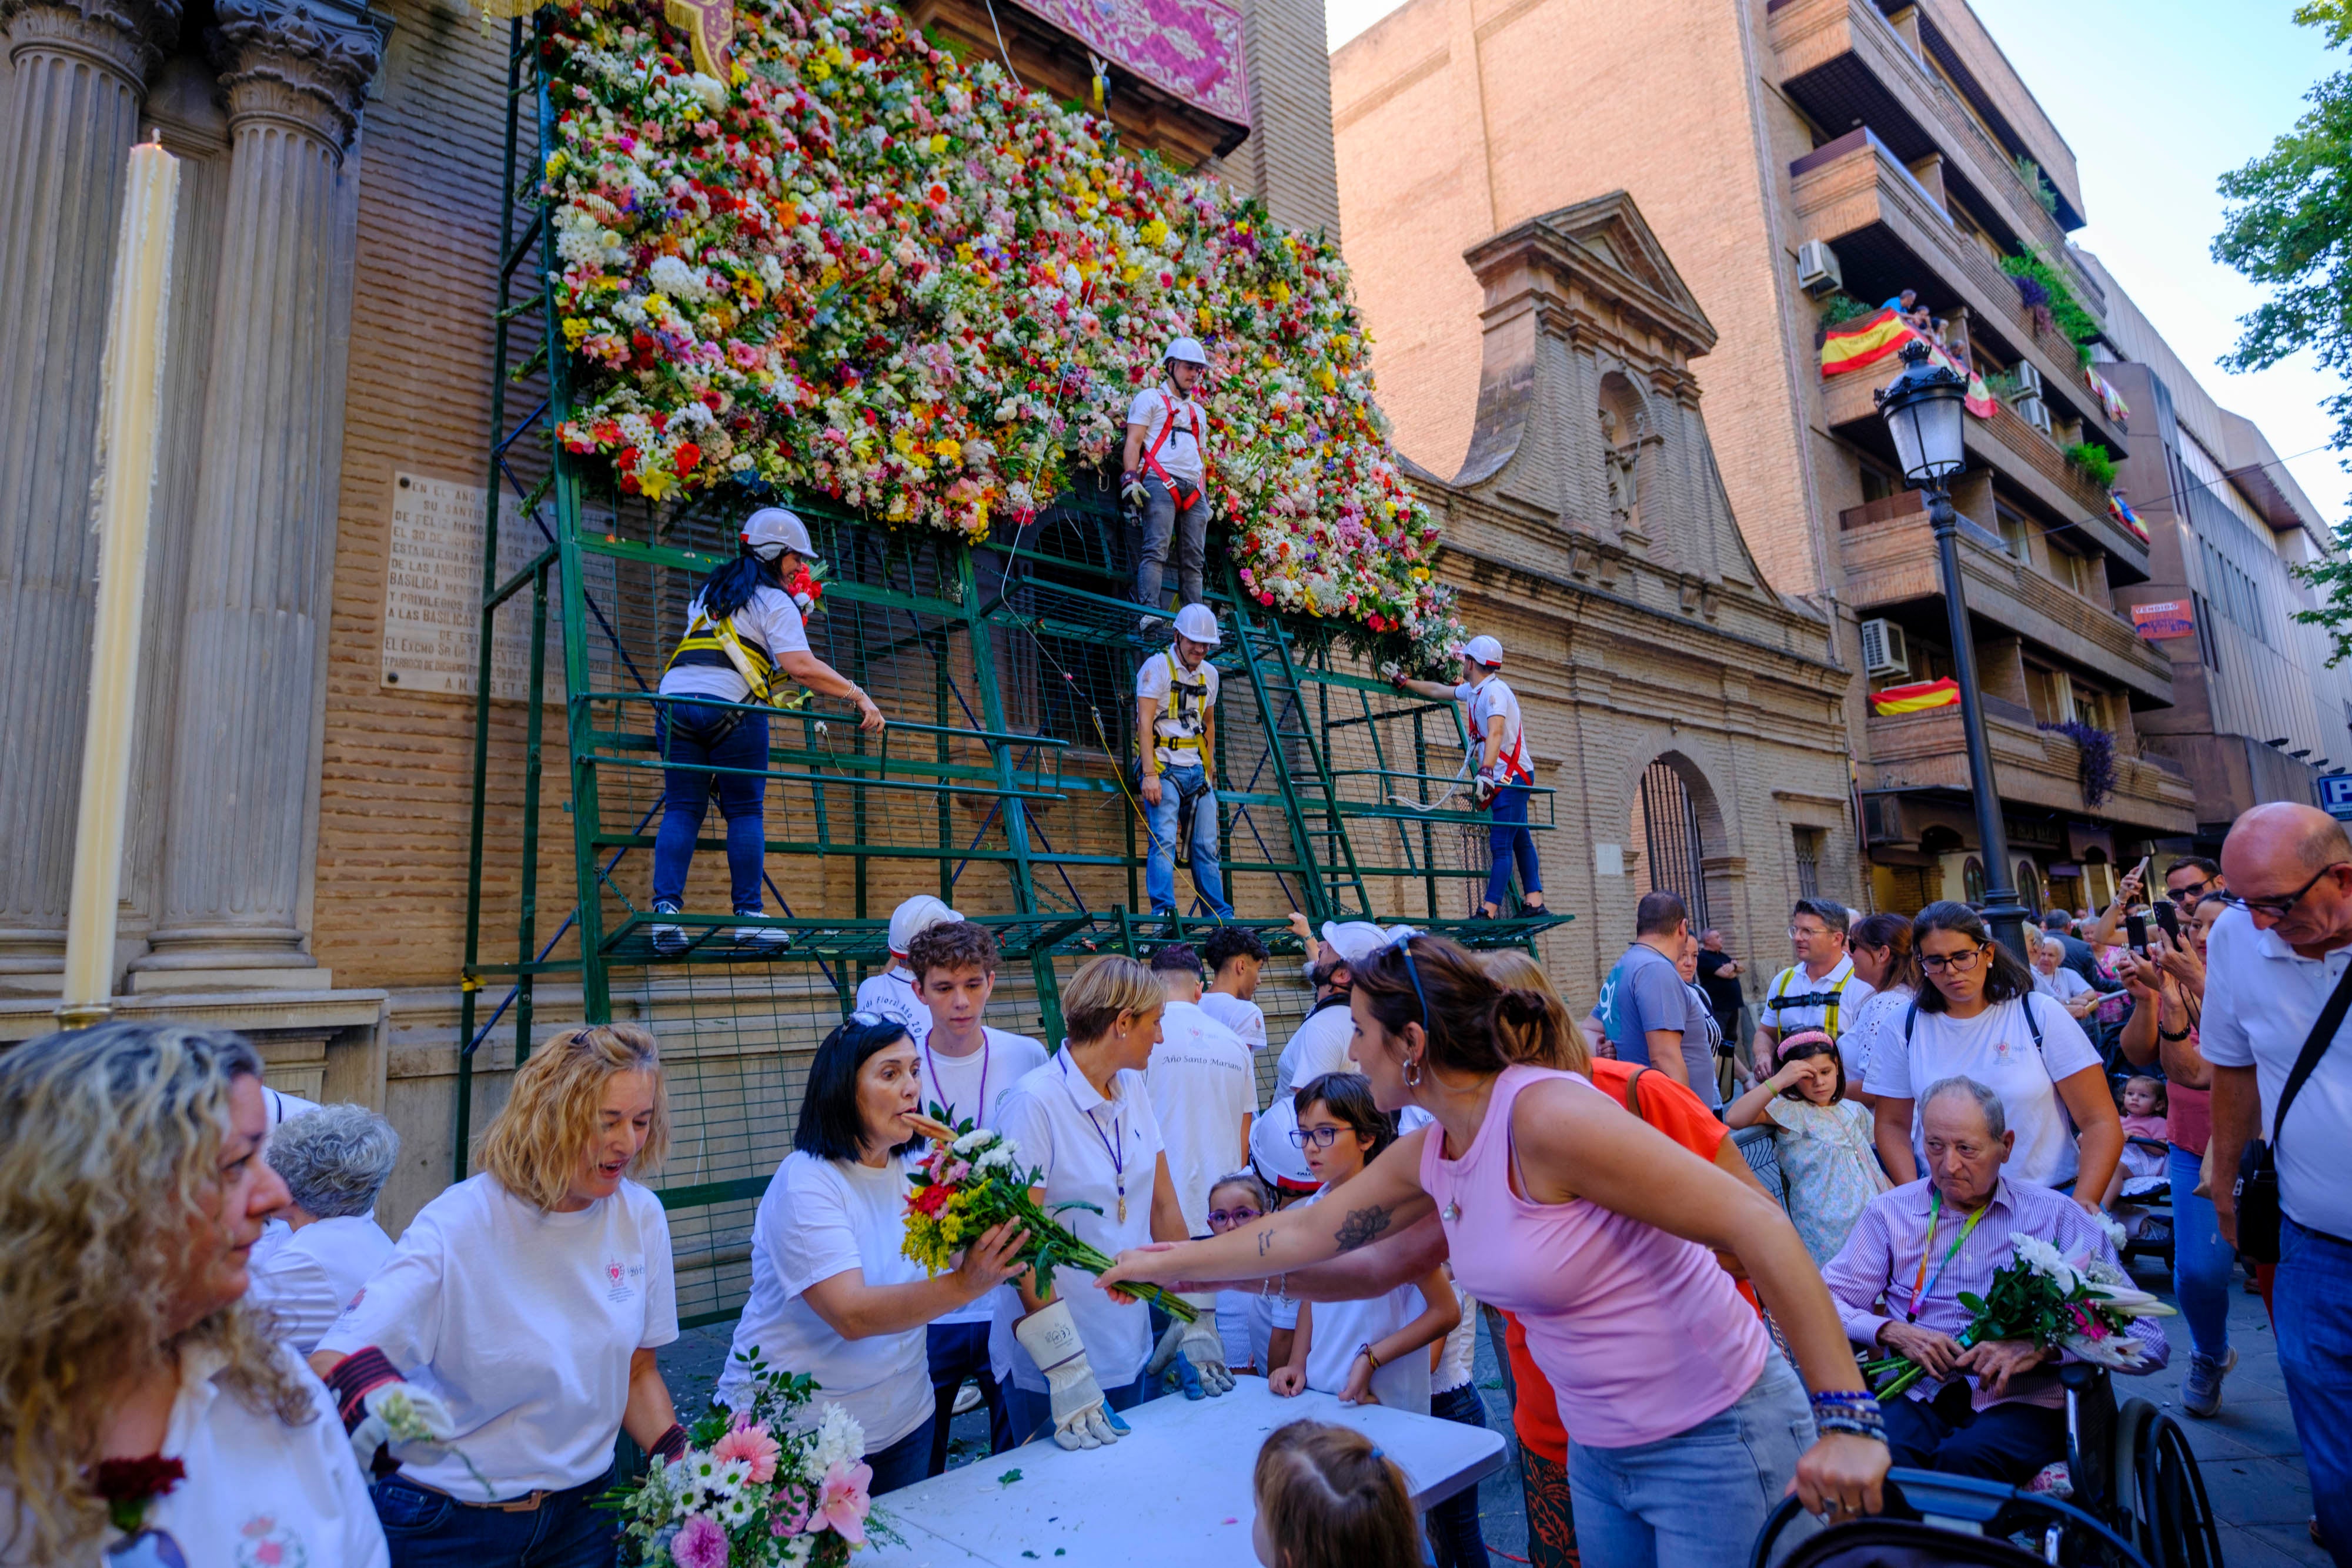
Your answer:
<point x="1009" y="1477"/>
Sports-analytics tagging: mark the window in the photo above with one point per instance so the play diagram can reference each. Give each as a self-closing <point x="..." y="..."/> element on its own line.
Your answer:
<point x="1876" y="484"/>
<point x="1808" y="863"/>
<point x="1972" y="880"/>
<point x="2049" y="694"/>
<point x="2208" y="650"/>
<point x="2016" y="533"/>
<point x="2091" y="706"/>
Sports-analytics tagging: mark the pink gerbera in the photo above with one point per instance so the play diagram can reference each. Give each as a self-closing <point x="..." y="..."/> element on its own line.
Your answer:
<point x="841" y="1502"/>
<point x="753" y="1445"/>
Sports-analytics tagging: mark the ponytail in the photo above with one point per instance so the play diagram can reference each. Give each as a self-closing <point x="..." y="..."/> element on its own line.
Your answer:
<point x="1475" y="1026"/>
<point x="1524" y="1028"/>
<point x="731" y="587"/>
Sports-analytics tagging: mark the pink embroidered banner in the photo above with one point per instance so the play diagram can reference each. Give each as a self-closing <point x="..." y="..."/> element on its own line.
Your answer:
<point x="1191" y="48"/>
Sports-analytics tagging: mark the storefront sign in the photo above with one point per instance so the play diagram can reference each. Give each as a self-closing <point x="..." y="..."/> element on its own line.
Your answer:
<point x="2164" y="618"/>
<point x="433" y="595"/>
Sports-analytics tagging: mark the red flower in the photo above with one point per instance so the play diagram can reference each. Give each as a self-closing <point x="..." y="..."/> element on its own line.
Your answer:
<point x="928" y="1201"/>
<point x="689" y="457"/>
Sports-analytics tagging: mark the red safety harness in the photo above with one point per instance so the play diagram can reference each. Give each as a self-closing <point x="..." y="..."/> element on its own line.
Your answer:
<point x="1186" y="496"/>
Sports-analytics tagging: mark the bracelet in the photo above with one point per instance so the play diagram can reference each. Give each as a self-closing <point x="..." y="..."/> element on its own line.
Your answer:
<point x="1850" y="1424"/>
<point x="1276" y="1289"/>
<point x="2167" y="1034"/>
<point x="1858" y="1398"/>
<point x="1365" y="1350"/>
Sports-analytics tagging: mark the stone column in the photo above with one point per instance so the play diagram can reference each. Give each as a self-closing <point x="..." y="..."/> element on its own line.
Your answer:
<point x="238" y="829"/>
<point x="79" y="70"/>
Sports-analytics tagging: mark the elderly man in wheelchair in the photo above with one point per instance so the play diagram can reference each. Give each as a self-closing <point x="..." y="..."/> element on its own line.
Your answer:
<point x="1996" y="1410"/>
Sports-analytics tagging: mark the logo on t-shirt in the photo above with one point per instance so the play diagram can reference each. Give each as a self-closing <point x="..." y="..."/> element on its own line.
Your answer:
<point x="617" y="1277"/>
<point x="263" y="1542"/>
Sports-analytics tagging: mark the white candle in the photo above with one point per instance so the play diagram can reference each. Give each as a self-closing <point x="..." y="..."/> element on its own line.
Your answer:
<point x="130" y="417"/>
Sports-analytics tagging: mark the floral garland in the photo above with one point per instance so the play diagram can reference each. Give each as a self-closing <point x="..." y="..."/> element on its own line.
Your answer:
<point x="864" y="269"/>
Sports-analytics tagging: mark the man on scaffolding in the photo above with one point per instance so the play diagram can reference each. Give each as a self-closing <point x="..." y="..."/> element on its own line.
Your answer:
<point x="1505" y="770"/>
<point x="744" y="641"/>
<point x="1164" y="478"/>
<point x="1176" y="733"/>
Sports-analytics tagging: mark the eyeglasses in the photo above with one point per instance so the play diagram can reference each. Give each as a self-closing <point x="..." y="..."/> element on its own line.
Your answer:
<point x="1801" y="933"/>
<point x="1321" y="1137"/>
<point x="1957" y="963"/>
<point x="2189" y="894"/>
<point x="1221" y="1218"/>
<point x="2278" y="908"/>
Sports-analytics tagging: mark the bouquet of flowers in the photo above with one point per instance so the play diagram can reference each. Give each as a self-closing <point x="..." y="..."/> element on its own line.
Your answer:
<point x="748" y="1491"/>
<point x="972" y="1180"/>
<point x="2039" y="1296"/>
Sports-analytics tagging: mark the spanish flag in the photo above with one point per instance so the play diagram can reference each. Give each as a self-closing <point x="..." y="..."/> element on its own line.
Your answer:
<point x="2120" y="509"/>
<point x="1864" y="342"/>
<point x="1915" y="698"/>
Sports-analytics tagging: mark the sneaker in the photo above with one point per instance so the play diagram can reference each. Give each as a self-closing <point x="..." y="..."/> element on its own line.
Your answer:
<point x="763" y="938"/>
<point x="967" y="1399"/>
<point x="669" y="939"/>
<point x="2201" y="1391"/>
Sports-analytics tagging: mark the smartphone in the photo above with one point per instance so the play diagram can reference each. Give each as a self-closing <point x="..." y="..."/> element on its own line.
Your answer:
<point x="2136" y="933"/>
<point x="2169" y="918"/>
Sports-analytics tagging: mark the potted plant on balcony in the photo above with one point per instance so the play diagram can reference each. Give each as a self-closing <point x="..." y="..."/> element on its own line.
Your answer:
<point x="2098" y="757"/>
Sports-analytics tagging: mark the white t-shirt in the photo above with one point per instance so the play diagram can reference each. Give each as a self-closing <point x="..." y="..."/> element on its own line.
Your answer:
<point x="1181" y="453"/>
<point x="1321" y="1045"/>
<point x="1794" y="983"/>
<point x="960" y="1083"/>
<point x="1491" y="703"/>
<point x="1244" y="1019"/>
<point x="1996" y="1048"/>
<point x="1245" y="1325"/>
<point x="1178" y="722"/>
<point x="2063" y="985"/>
<point x="1456" y="1363"/>
<point x="1202" y="1082"/>
<point x="1337" y="1328"/>
<point x="772" y="620"/>
<point x="257" y="1490"/>
<point x="1875" y="1023"/>
<point x="308" y="1282"/>
<point x="1069" y="1132"/>
<point x="893" y="996"/>
<point x="523" y="1322"/>
<point x="2261" y="998"/>
<point x="818" y="1218"/>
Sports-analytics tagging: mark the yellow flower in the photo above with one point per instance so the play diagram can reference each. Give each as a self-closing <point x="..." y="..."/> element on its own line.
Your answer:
<point x="819" y="71"/>
<point x="555" y="163"/>
<point x="1130" y="274"/>
<point x="948" y="452"/>
<point x="1153" y="234"/>
<point x="938" y="143"/>
<point x="904" y="442"/>
<point x="1281" y="292"/>
<point x="963" y="254"/>
<point x="575" y="329"/>
<point x="655" y="483"/>
<point x="739" y="75"/>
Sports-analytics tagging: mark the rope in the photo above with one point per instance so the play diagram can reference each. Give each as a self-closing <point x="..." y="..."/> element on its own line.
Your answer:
<point x="1462" y="776"/>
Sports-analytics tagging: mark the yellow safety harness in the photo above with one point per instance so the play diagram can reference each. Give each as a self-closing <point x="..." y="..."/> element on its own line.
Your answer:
<point x="716" y="644"/>
<point x="1188" y="704"/>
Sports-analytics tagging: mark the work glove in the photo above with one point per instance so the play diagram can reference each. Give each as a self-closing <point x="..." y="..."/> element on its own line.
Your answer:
<point x="1081" y="1418"/>
<point x="1131" y="490"/>
<point x="1196" y="1350"/>
<point x="1482" y="792"/>
<point x="380" y="1407"/>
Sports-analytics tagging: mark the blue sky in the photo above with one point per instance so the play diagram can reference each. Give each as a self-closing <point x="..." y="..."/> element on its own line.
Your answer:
<point x="2158" y="98"/>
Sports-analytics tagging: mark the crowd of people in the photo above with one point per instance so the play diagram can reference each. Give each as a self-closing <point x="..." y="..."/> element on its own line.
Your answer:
<point x="214" y="1344"/>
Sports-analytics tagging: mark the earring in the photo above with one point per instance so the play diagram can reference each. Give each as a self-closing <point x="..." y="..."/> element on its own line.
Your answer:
<point x="1412" y="1073"/>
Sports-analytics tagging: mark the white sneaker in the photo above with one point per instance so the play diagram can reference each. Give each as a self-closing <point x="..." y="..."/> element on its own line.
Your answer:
<point x="762" y="939"/>
<point x="669" y="939"/>
<point x="967" y="1398"/>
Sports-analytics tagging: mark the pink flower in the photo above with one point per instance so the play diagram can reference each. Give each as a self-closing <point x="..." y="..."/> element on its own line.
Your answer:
<point x="841" y="1504"/>
<point x="753" y="1447"/>
<point x="701" y="1544"/>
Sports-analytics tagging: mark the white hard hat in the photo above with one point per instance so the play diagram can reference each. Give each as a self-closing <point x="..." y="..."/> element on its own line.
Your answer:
<point x="914" y="917"/>
<point x="772" y="530"/>
<point x="1199" y="623"/>
<point x="1187" y="349"/>
<point x="1358" y="940"/>
<point x="1486" y="650"/>
<point x="1278" y="1159"/>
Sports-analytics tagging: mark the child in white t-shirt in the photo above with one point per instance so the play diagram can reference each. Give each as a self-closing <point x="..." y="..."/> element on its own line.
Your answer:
<point x="1368" y="1352"/>
<point x="1235" y="955"/>
<point x="1245" y="1318"/>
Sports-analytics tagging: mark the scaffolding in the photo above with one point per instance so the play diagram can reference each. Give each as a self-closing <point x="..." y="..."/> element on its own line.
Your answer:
<point x="1006" y="667"/>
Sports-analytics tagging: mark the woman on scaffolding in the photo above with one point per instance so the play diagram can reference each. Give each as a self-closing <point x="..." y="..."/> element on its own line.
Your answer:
<point x="1505" y="770"/>
<point x="743" y="639"/>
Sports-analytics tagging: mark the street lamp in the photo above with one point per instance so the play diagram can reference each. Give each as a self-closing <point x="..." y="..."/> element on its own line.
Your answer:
<point x="1922" y="408"/>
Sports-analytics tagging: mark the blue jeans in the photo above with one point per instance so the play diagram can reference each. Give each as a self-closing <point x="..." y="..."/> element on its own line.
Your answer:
<point x="2201" y="1260"/>
<point x="959" y="1351"/>
<point x="1188" y="530"/>
<point x="1452" y="1526"/>
<point x="1159" y="870"/>
<point x="903" y="1463"/>
<point x="2312" y="1298"/>
<point x="698" y="733"/>
<point x="1033" y="1414"/>
<point x="433" y="1530"/>
<point x="1676" y="1502"/>
<point x="1509" y="844"/>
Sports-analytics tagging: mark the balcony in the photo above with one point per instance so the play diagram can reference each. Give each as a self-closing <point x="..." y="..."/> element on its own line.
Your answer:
<point x="1845" y="65"/>
<point x="1891" y="231"/>
<point x="2032" y="768"/>
<point x="1888" y="549"/>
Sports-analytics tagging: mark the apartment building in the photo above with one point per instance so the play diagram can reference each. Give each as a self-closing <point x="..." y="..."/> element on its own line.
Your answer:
<point x="1805" y="161"/>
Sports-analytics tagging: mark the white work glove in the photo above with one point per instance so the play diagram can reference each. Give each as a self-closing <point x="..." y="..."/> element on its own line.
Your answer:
<point x="405" y="1416"/>
<point x="1482" y="792"/>
<point x="1081" y="1418"/>
<point x="1131" y="489"/>
<point x="1201" y="1347"/>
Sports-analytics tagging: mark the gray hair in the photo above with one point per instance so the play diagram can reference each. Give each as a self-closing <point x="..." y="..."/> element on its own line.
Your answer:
<point x="336" y="1159"/>
<point x="1995" y="1119"/>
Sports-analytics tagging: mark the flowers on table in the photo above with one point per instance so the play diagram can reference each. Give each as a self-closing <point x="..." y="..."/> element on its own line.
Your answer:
<point x="970" y="1180"/>
<point x="749" y="1492"/>
<point x="2040" y="1297"/>
<point x="863" y="267"/>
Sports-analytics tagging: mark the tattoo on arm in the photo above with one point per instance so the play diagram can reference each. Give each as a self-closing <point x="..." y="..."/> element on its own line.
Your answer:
<point x="1360" y="1226"/>
<point x="1265" y="1243"/>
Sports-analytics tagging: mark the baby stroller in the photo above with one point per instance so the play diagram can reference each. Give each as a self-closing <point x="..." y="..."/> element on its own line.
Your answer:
<point x="1951" y="1521"/>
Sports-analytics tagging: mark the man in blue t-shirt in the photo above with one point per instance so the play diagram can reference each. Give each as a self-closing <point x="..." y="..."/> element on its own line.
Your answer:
<point x="1646" y="1008"/>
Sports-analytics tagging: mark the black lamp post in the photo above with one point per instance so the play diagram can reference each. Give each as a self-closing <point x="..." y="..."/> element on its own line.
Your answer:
<point x="1922" y="408"/>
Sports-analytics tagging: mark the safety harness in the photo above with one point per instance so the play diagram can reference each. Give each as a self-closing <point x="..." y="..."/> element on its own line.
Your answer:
<point x="1185" y="497"/>
<point x="1188" y="705"/>
<point x="1779" y="1001"/>
<point x="716" y="644"/>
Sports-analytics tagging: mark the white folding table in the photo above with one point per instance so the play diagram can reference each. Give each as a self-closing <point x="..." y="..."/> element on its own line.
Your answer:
<point x="1173" y="1493"/>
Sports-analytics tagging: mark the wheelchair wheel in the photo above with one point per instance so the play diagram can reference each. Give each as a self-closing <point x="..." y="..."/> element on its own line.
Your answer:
<point x="2128" y="1508"/>
<point x="2175" y="1517"/>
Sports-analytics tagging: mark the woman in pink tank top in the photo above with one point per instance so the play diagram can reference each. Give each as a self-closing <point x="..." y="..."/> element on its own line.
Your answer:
<point x="1686" y="1430"/>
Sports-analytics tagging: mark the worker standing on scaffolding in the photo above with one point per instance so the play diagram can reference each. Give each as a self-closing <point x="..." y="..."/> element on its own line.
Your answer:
<point x="1176" y="733"/>
<point x="1505" y="770"/>
<point x="1164" y="478"/>
<point x="743" y="642"/>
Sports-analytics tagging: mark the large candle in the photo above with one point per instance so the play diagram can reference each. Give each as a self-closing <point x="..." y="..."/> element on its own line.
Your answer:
<point x="130" y="417"/>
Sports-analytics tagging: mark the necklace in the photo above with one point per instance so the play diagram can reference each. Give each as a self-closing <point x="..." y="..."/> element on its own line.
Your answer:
<point x="933" y="1068"/>
<point x="1114" y="1143"/>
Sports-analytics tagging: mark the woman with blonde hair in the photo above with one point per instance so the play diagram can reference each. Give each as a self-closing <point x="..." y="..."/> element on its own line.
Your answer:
<point x="139" y="1396"/>
<point x="524" y="1306"/>
<point x="1072" y="1355"/>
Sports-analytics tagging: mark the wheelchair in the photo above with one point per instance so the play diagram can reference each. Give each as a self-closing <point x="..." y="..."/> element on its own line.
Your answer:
<point x="2129" y="1466"/>
<point x="1951" y="1521"/>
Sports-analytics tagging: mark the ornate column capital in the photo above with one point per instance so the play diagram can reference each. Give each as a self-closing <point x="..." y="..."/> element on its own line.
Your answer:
<point x="306" y="67"/>
<point x="128" y="38"/>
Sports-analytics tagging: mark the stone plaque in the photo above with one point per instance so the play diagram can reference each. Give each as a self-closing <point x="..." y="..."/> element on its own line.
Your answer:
<point x="433" y="594"/>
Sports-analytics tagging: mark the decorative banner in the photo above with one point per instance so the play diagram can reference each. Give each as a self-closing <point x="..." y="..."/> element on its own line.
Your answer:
<point x="711" y="24"/>
<point x="1919" y="697"/>
<point x="2120" y="509"/>
<point x="2109" y="399"/>
<point x="2164" y="618"/>
<point x="1867" y="341"/>
<point x="1193" y="49"/>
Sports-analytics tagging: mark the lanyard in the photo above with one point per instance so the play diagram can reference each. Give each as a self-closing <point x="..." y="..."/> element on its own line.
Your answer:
<point x="1921" y="1285"/>
<point x="947" y="1104"/>
<point x="1114" y="1143"/>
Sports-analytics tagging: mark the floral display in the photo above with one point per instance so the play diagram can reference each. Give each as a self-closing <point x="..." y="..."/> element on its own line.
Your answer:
<point x="972" y="1179"/>
<point x="752" y="1492"/>
<point x="862" y="267"/>
<point x="2040" y="1296"/>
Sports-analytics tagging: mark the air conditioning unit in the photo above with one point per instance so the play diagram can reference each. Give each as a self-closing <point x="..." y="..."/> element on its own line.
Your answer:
<point x="2028" y="379"/>
<point x="1817" y="269"/>
<point x="1883" y="648"/>
<point x="1882" y="820"/>
<point x="2035" y="413"/>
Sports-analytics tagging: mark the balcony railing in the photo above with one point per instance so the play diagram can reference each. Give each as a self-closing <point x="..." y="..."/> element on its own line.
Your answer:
<point x="2031" y="767"/>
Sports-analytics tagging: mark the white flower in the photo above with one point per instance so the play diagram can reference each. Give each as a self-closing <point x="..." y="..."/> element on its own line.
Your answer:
<point x="2043" y="1259"/>
<point x="729" y="1479"/>
<point x="709" y="90"/>
<point x="839" y="1440"/>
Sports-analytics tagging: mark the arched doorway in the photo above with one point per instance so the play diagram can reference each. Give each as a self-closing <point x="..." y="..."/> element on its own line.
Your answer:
<point x="1972" y="886"/>
<point x="1675" y="850"/>
<point x="2030" y="890"/>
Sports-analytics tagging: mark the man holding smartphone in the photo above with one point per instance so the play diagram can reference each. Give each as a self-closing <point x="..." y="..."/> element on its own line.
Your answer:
<point x="2186" y="881"/>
